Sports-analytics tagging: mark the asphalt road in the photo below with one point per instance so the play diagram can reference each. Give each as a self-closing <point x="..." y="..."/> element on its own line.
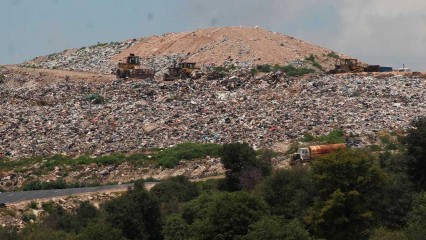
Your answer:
<point x="13" y="197"/>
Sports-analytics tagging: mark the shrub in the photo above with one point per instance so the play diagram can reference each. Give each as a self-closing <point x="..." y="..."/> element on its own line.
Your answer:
<point x="333" y="55"/>
<point x="27" y="217"/>
<point x="311" y="58"/>
<point x="291" y="71"/>
<point x="33" y="205"/>
<point x="95" y="98"/>
<point x="317" y="65"/>
<point x="264" y="68"/>
<point x="314" y="61"/>
<point x="170" y="157"/>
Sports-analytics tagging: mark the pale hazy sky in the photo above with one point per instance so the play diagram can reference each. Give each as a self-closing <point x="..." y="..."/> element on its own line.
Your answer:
<point x="386" y="32"/>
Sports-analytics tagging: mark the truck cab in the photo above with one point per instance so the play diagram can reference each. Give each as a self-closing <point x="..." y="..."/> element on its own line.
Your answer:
<point x="303" y="154"/>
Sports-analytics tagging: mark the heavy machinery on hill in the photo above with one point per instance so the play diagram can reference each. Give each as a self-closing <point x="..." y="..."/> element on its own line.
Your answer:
<point x="182" y="70"/>
<point x="347" y="65"/>
<point x="132" y="68"/>
<point x="307" y="153"/>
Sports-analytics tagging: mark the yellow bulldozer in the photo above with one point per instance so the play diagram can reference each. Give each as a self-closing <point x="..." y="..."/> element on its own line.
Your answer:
<point x="132" y="68"/>
<point x="183" y="70"/>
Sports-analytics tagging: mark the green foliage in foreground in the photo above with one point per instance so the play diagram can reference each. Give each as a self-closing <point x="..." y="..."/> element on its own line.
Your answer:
<point x="289" y="193"/>
<point x="348" y="185"/>
<point x="136" y="213"/>
<point x="223" y="215"/>
<point x="170" y="157"/>
<point x="415" y="143"/>
<point x="244" y="169"/>
<point x="275" y="228"/>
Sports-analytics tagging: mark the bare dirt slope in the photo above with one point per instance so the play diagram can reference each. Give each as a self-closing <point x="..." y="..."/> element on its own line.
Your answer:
<point x="217" y="45"/>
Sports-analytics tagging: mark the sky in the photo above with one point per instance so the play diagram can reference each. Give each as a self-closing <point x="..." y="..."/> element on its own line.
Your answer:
<point x="385" y="32"/>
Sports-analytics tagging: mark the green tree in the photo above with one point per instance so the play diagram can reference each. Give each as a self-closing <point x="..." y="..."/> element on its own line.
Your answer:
<point x="38" y="232"/>
<point x="223" y="215"/>
<point x="175" y="228"/>
<point x="272" y="228"/>
<point x="416" y="228"/>
<point x="415" y="142"/>
<point x="386" y="234"/>
<point x="57" y="218"/>
<point x="348" y="187"/>
<point x="397" y="192"/>
<point x="100" y="231"/>
<point x="243" y="169"/>
<point x="173" y="192"/>
<point x="136" y="213"/>
<point x="85" y="212"/>
<point x="289" y="192"/>
<point x="176" y="187"/>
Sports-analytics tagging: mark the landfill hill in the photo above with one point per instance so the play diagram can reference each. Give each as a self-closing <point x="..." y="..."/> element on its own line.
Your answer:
<point x="241" y="46"/>
<point x="218" y="45"/>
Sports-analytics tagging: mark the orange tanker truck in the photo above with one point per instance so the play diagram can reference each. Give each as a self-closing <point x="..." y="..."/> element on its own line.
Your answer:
<point x="307" y="153"/>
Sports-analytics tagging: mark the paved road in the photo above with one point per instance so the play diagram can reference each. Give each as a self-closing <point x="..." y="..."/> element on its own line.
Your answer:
<point x="13" y="197"/>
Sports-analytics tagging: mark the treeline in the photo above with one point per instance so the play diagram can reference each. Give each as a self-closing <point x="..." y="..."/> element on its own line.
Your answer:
<point x="350" y="194"/>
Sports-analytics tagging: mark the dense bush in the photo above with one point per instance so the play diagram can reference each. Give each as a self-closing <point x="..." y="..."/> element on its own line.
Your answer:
<point x="289" y="193"/>
<point x="136" y="214"/>
<point x="243" y="169"/>
<point x="170" y="157"/>
<point x="222" y="215"/>
<point x="173" y="192"/>
<point x="415" y="142"/>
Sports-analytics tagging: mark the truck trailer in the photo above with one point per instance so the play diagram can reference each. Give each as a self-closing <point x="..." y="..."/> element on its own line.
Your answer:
<point x="307" y="153"/>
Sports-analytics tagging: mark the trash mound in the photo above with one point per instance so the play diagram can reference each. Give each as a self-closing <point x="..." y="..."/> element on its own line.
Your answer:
<point x="239" y="46"/>
<point x="214" y="46"/>
<point x="105" y="116"/>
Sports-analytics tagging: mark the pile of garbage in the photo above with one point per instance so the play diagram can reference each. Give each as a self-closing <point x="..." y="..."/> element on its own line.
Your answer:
<point x="131" y="114"/>
<point x="96" y="58"/>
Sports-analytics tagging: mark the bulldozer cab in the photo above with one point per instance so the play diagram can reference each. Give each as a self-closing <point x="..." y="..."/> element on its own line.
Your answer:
<point x="186" y="65"/>
<point x="133" y="60"/>
<point x="131" y="69"/>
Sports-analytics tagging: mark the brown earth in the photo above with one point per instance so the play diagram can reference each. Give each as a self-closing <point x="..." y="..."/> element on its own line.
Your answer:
<point x="217" y="45"/>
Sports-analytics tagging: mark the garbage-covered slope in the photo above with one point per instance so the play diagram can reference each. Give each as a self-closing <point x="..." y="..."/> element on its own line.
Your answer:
<point x="107" y="115"/>
<point x="229" y="45"/>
